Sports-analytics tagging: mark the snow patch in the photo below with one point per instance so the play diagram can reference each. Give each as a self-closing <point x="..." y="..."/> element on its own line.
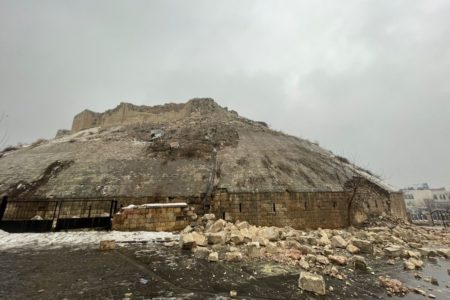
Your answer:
<point x="156" y="205"/>
<point x="77" y="239"/>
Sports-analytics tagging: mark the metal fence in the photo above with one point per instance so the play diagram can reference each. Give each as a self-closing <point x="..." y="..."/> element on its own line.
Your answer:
<point x="56" y="214"/>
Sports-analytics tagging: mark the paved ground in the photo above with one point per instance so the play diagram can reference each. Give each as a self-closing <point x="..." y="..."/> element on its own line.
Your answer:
<point x="156" y="272"/>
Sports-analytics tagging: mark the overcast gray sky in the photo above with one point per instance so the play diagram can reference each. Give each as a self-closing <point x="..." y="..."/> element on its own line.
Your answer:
<point x="369" y="80"/>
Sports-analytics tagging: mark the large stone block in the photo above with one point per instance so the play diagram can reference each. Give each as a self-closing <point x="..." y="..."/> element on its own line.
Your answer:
<point x="312" y="283"/>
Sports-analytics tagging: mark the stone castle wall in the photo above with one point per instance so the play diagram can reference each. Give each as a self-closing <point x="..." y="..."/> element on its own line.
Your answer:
<point x="307" y="210"/>
<point x="153" y="218"/>
<point x="127" y="113"/>
<point x="124" y="114"/>
<point x="298" y="210"/>
<point x="398" y="206"/>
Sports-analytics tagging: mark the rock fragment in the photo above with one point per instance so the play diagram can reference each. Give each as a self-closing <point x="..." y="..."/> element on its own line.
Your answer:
<point x="107" y="245"/>
<point x="213" y="257"/>
<point x="312" y="283"/>
<point x="393" y="286"/>
<point x="338" y="242"/>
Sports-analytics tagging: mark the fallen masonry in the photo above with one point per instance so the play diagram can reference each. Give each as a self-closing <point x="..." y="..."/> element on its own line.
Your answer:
<point x="318" y="254"/>
<point x="312" y="283"/>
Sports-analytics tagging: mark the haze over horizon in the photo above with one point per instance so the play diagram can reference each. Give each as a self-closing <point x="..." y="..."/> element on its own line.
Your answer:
<point x="368" y="80"/>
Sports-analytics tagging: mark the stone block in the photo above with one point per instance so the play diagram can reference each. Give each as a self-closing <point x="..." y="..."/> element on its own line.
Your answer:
<point x="312" y="283"/>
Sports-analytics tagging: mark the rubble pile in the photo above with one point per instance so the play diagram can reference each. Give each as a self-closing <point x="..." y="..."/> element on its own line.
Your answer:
<point x="317" y="252"/>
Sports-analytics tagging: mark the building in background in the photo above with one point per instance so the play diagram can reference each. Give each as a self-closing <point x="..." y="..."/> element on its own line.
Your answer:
<point x="421" y="201"/>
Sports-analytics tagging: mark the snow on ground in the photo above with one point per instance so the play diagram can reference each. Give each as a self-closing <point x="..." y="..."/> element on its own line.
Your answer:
<point x="77" y="239"/>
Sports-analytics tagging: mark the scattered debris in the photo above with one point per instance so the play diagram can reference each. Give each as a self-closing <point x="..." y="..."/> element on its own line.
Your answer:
<point x="393" y="286"/>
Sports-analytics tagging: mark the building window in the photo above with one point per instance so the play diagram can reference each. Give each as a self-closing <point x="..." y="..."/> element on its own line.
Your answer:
<point x="334" y="204"/>
<point x="274" y="208"/>
<point x="240" y="207"/>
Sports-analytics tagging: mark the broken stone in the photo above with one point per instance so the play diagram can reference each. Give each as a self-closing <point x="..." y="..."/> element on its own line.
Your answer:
<point x="323" y="240"/>
<point x="233" y="256"/>
<point x="327" y="251"/>
<point x="393" y="286"/>
<point x="312" y="283"/>
<point x="412" y="264"/>
<point x="322" y="260"/>
<point x="107" y="245"/>
<point x="359" y="263"/>
<point x="434" y="281"/>
<point x="364" y="246"/>
<point x="427" y="251"/>
<point x="201" y="252"/>
<point x="262" y="241"/>
<point x="213" y="257"/>
<point x="338" y="259"/>
<point x="208" y="217"/>
<point x="236" y="237"/>
<point x="199" y="239"/>
<point x="270" y="233"/>
<point x="233" y="294"/>
<point x="294" y="254"/>
<point x="283" y="244"/>
<point x="419" y="291"/>
<point x="303" y="264"/>
<point x="217" y="226"/>
<point x="246" y="234"/>
<point x="216" y="238"/>
<point x="306" y="249"/>
<point x="293" y="244"/>
<point x="253" y="250"/>
<point x="444" y="252"/>
<point x="272" y="248"/>
<point x="413" y="254"/>
<point x="192" y="239"/>
<point x="338" y="242"/>
<point x="393" y="251"/>
<point x="187" y="229"/>
<point x="415" y="245"/>
<point x="352" y="249"/>
<point x="310" y="240"/>
<point x="242" y="225"/>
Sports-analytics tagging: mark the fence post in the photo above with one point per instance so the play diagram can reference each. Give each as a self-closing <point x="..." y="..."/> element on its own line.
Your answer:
<point x="3" y="206"/>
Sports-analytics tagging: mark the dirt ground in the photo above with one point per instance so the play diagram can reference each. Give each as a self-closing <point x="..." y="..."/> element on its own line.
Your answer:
<point x="156" y="272"/>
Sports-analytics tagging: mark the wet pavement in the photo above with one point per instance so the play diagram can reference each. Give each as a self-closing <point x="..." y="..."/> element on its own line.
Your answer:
<point x="156" y="272"/>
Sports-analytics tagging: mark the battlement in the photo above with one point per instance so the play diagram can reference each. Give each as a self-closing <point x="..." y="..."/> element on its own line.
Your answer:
<point x="127" y="113"/>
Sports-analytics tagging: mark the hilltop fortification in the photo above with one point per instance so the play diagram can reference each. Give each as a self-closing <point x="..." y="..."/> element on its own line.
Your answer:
<point x="203" y="154"/>
<point x="127" y="113"/>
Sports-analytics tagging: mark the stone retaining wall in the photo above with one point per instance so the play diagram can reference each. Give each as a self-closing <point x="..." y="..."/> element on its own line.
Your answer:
<point x="298" y="210"/>
<point x="308" y="210"/>
<point x="153" y="217"/>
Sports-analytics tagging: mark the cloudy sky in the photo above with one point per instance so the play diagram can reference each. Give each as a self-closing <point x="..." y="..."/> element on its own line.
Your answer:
<point x="369" y="80"/>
